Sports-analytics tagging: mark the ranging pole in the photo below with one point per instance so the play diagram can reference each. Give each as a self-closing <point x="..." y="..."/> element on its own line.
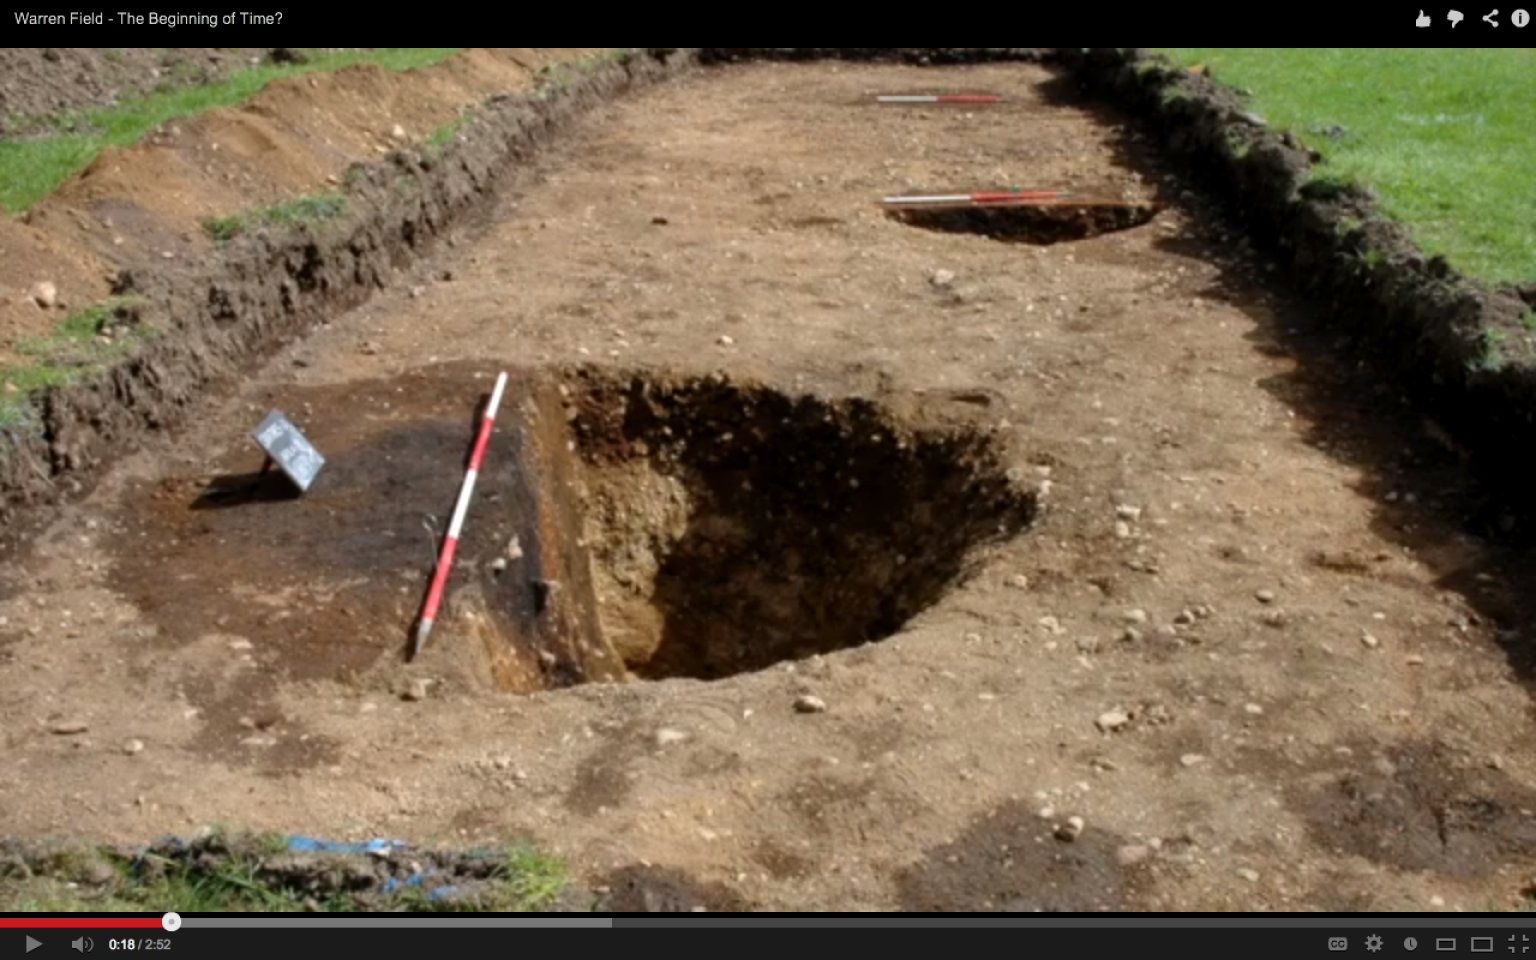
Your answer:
<point x="451" y="542"/>
<point x="990" y="196"/>
<point x="938" y="98"/>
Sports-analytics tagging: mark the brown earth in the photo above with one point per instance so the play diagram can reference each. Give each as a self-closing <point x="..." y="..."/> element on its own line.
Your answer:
<point x="1246" y="639"/>
<point x="147" y="203"/>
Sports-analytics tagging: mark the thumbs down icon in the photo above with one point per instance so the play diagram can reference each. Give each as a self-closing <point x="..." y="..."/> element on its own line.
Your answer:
<point x="1455" y="17"/>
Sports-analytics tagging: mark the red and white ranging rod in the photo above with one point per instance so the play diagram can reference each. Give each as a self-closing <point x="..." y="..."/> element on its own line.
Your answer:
<point x="451" y="542"/>
<point x="990" y="196"/>
<point x="938" y="98"/>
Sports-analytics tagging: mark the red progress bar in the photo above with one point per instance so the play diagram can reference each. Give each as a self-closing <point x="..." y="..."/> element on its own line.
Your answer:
<point x="36" y="923"/>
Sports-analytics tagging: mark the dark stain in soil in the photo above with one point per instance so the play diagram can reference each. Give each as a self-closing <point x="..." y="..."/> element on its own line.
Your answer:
<point x="780" y="861"/>
<point x="655" y="889"/>
<point x="1418" y="806"/>
<point x="602" y="778"/>
<point x="325" y="585"/>
<point x="1008" y="861"/>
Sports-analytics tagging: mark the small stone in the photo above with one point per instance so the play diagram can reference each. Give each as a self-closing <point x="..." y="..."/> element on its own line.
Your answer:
<point x="810" y="703"/>
<point x="133" y="747"/>
<point x="499" y="565"/>
<point x="1369" y="640"/>
<point x="1111" y="720"/>
<point x="44" y="294"/>
<point x="239" y="644"/>
<point x="1132" y="854"/>
<point x="397" y="131"/>
<point x="1496" y="762"/>
<point x="417" y="291"/>
<point x="1019" y="581"/>
<point x="1264" y="596"/>
<point x="1046" y="813"/>
<point x="668" y="735"/>
<point x="1070" y="830"/>
<point x="1252" y="876"/>
<point x="1130" y="635"/>
<point x="1273" y="618"/>
<point x="259" y="741"/>
<point x="1122" y="530"/>
<point x="1414" y="660"/>
<point x="942" y="278"/>
<point x="1136" y="615"/>
<point x="1253" y="710"/>
<point x="1052" y="625"/>
<point x="1184" y="618"/>
<point x="725" y="340"/>
<point x="68" y="728"/>
<point x="416" y="690"/>
<point x="1192" y="759"/>
<point x="1127" y="512"/>
<point x="11" y="387"/>
<point x="1437" y="901"/>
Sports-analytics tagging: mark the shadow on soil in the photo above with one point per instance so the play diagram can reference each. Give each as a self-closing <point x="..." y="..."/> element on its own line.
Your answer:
<point x="240" y="489"/>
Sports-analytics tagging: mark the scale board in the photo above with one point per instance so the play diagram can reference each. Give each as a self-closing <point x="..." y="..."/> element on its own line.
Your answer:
<point x="287" y="447"/>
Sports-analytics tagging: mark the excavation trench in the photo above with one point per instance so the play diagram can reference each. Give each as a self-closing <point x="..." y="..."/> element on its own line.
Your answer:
<point x="625" y="526"/>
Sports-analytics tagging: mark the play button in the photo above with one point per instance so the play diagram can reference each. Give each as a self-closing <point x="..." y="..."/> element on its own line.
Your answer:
<point x="33" y="944"/>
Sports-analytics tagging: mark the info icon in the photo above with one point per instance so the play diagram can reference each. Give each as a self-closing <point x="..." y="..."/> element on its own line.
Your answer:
<point x="1520" y="18"/>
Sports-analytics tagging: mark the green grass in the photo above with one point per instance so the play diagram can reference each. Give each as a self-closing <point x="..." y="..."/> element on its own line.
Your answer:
<point x="438" y="139"/>
<point x="33" y="167"/>
<point x="317" y="206"/>
<point x="524" y="881"/>
<point x="68" y="353"/>
<point x="1443" y="136"/>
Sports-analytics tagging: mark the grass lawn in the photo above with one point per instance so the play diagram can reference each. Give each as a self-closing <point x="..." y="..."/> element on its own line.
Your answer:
<point x="1444" y="136"/>
<point x="33" y="167"/>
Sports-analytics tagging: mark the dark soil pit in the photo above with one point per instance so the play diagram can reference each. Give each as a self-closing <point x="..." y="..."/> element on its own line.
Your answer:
<point x="734" y="526"/>
<point x="1035" y="223"/>
<point x="328" y="584"/>
<point x="623" y="526"/>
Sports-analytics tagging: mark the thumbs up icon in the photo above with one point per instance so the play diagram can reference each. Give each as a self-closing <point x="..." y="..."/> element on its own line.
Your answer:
<point x="1422" y="21"/>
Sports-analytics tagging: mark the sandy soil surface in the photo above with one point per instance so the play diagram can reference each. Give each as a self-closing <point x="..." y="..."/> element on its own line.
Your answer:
<point x="1242" y="659"/>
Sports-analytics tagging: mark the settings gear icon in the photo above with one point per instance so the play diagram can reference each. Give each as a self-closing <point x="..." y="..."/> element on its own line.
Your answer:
<point x="1373" y="943"/>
